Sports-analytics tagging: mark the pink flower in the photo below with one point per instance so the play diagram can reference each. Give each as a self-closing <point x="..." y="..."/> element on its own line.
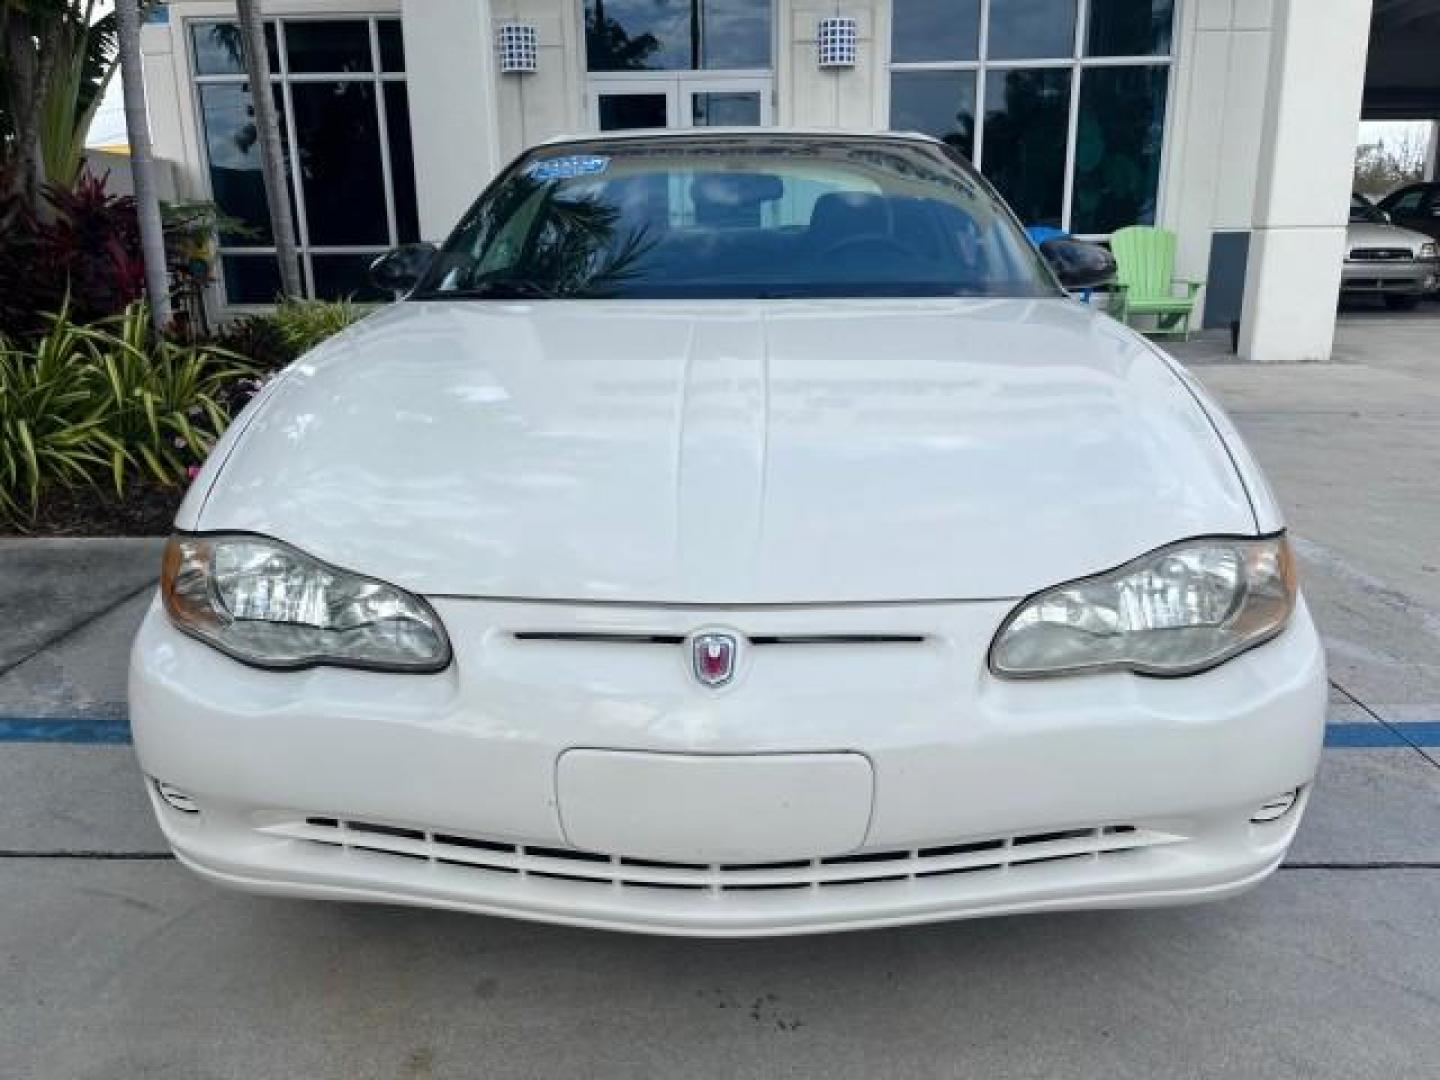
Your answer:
<point x="193" y="471"/>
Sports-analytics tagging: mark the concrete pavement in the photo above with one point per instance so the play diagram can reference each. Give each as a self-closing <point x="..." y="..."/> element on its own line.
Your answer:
<point x="119" y="964"/>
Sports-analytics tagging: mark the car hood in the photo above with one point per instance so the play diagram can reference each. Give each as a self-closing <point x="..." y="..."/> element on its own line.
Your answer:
<point x="1370" y="234"/>
<point x="727" y="452"/>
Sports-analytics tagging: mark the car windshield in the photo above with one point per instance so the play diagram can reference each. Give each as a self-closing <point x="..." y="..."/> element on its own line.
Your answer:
<point x="738" y="217"/>
<point x="1363" y="212"/>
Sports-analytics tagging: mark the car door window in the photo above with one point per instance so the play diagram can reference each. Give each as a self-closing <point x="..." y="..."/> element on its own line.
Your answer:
<point x="1407" y="202"/>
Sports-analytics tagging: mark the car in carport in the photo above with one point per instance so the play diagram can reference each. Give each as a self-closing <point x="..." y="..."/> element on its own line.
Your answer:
<point x="1398" y="265"/>
<point x="1415" y="206"/>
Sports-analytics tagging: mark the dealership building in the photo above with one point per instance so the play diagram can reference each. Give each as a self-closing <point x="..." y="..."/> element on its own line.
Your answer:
<point x="1231" y="122"/>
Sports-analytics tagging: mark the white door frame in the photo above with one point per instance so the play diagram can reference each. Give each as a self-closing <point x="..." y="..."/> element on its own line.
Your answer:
<point x="677" y="86"/>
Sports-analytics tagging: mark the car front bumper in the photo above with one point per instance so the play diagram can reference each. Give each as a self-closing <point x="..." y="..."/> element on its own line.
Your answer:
<point x="863" y="769"/>
<point x="1403" y="277"/>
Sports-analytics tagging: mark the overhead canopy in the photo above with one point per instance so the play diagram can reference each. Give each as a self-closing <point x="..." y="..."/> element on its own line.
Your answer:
<point x="1402" y="77"/>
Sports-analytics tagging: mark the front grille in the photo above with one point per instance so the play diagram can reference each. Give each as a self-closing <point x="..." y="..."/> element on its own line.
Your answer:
<point x="993" y="855"/>
<point x="1380" y="254"/>
<point x="606" y="638"/>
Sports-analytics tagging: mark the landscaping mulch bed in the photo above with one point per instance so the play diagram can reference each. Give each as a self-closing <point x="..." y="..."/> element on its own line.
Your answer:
<point x="146" y="510"/>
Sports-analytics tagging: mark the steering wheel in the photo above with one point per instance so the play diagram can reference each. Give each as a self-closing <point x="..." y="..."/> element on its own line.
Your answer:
<point x="875" y="242"/>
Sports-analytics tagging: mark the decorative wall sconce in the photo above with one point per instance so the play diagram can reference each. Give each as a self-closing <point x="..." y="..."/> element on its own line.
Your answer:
<point x="518" y="45"/>
<point x="836" y="43"/>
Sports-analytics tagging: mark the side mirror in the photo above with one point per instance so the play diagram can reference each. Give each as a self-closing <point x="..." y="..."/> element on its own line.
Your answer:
<point x="400" y="269"/>
<point x="1079" y="265"/>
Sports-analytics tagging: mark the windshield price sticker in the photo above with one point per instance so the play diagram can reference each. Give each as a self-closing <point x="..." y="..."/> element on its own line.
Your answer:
<point x="566" y="168"/>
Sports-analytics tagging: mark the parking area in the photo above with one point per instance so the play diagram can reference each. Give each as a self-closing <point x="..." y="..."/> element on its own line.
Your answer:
<point x="119" y="964"/>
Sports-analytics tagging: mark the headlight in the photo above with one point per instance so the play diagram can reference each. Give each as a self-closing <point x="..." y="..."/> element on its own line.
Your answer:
<point x="1175" y="611"/>
<point x="267" y="604"/>
<point x="1429" y="251"/>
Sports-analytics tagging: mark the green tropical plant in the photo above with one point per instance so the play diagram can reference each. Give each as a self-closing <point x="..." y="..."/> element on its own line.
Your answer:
<point x="303" y="324"/>
<point x="51" y="429"/>
<point x="106" y="403"/>
<point x="162" y="400"/>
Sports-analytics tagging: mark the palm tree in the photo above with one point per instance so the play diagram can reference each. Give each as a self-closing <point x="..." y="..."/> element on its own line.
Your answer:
<point x="142" y="164"/>
<point x="272" y="157"/>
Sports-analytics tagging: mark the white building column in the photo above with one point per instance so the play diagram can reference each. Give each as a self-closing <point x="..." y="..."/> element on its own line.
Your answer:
<point x="450" y="53"/>
<point x="1307" y="156"/>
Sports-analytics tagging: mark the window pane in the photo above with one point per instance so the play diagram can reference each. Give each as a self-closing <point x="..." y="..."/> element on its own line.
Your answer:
<point x="219" y="49"/>
<point x="1027" y="115"/>
<point x="1117" y="149"/>
<point x="939" y="103"/>
<point x="735" y="34"/>
<point x="638" y="35"/>
<point x="402" y="162"/>
<point x="935" y="30"/>
<point x="232" y="147"/>
<point x="340" y="276"/>
<point x="337" y="131"/>
<point x="250" y="279"/>
<point x="733" y="109"/>
<point x="621" y="112"/>
<point x="1129" y="28"/>
<point x="1032" y="29"/>
<point x="331" y="45"/>
<point x="392" y="45"/>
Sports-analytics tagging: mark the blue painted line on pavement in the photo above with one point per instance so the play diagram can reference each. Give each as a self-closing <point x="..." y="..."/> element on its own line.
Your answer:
<point x="85" y="730"/>
<point x="115" y="731"/>
<point x="1364" y="736"/>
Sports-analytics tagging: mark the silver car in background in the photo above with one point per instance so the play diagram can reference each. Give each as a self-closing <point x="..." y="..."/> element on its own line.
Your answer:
<point x="1398" y="265"/>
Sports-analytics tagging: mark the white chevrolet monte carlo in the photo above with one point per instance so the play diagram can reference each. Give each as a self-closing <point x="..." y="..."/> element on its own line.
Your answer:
<point x="732" y="534"/>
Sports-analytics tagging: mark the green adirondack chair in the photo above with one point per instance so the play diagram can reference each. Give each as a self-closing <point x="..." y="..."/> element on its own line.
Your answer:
<point x="1145" y="284"/>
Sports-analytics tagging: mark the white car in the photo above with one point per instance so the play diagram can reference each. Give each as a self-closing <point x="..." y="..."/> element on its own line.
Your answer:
<point x="732" y="533"/>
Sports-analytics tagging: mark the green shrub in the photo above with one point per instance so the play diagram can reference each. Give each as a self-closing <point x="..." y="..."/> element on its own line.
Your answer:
<point x="303" y="324"/>
<point x="274" y="340"/>
<point x="86" y="404"/>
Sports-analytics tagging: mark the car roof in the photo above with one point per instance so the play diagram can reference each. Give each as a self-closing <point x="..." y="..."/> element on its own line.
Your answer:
<point x="758" y="133"/>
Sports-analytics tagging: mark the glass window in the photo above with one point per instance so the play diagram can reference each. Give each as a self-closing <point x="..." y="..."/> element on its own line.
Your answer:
<point x="1117" y="147"/>
<point x="783" y="217"/>
<point x="392" y="45"/>
<point x="402" y="162"/>
<point x="939" y="103"/>
<point x="1129" y="28"/>
<point x="677" y="35"/>
<point x="728" y="109"/>
<point x="1031" y="29"/>
<point x="926" y="30"/>
<point x="638" y="35"/>
<point x="735" y="34"/>
<point x="329" y="46"/>
<point x="336" y="163"/>
<point x="1036" y="98"/>
<point x="219" y="49"/>
<point x="337" y="129"/>
<point x="1027" y="114"/>
<point x="340" y="277"/>
<point x="1404" y="202"/>
<point x="621" y="112"/>
<point x="251" y="279"/>
<point x="232" y="147"/>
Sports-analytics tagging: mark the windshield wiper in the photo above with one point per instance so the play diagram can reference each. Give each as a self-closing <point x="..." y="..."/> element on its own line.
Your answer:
<point x="509" y="289"/>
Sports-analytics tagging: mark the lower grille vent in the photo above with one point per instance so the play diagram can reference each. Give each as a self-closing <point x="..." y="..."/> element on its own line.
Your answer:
<point x="862" y="868"/>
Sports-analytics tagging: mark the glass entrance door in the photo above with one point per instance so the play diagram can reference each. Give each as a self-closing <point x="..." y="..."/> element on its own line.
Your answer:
<point x="681" y="101"/>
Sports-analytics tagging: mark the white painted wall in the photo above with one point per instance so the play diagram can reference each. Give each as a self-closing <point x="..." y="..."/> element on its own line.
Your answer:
<point x="811" y="96"/>
<point x="450" y="69"/>
<point x="550" y="102"/>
